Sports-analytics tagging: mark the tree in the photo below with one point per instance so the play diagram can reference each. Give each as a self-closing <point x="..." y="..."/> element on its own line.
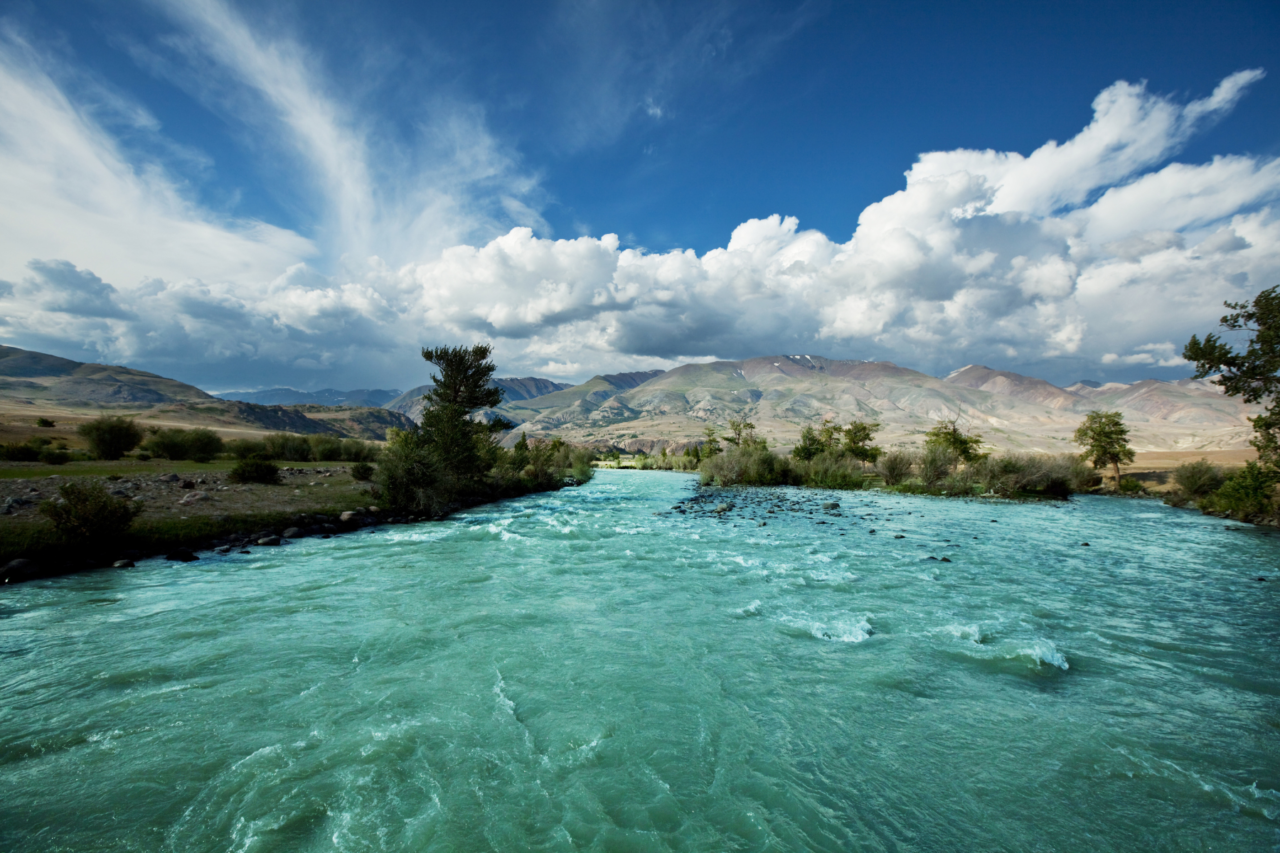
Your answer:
<point x="460" y="444"/>
<point x="857" y="441"/>
<point x="711" y="446"/>
<point x="1254" y="374"/>
<point x="810" y="445"/>
<point x="744" y="433"/>
<point x="1105" y="440"/>
<point x="947" y="434"/>
<point x="110" y="437"/>
<point x="520" y="453"/>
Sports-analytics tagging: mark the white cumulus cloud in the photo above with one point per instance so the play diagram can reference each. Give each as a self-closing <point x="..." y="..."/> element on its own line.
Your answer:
<point x="1096" y="251"/>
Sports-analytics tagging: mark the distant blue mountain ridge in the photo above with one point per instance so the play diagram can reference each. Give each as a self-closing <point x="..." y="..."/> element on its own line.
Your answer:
<point x="372" y="398"/>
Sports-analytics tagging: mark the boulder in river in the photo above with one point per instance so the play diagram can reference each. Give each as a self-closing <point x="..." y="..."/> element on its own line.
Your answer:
<point x="291" y="533"/>
<point x="122" y="564"/>
<point x="269" y="540"/>
<point x="830" y="504"/>
<point x="182" y="555"/>
<point x="19" y="569"/>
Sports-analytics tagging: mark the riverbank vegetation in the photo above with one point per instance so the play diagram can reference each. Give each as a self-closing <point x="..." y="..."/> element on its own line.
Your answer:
<point x="1254" y="375"/>
<point x="452" y="459"/>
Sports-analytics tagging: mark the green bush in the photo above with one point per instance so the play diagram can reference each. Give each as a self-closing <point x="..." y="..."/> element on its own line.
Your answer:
<point x="44" y="422"/>
<point x="355" y="450"/>
<point x="1199" y="478"/>
<point x="1033" y="474"/>
<point x="831" y="469"/>
<point x="959" y="482"/>
<point x="411" y="478"/>
<point x="1129" y="486"/>
<point x="254" y="471"/>
<point x="199" y="444"/>
<point x="19" y="453"/>
<point x="246" y="448"/>
<point x="936" y="463"/>
<point x="286" y="447"/>
<point x="325" y="447"/>
<point x="753" y="465"/>
<point x="144" y="457"/>
<point x="110" y="437"/>
<point x="1246" y="494"/>
<point x="894" y="466"/>
<point x="362" y="472"/>
<point x="49" y="456"/>
<point x="87" y="511"/>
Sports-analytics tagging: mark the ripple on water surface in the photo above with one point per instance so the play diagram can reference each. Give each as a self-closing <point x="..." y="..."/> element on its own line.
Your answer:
<point x="593" y="669"/>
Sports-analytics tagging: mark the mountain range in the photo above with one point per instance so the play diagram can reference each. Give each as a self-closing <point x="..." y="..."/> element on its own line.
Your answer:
<point x="38" y="383"/>
<point x="781" y="394"/>
<point x="368" y="398"/>
<point x="650" y="409"/>
<point x="410" y="402"/>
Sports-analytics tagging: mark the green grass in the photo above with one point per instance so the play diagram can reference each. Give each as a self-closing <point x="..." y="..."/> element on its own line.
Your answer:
<point x="36" y="539"/>
<point x="131" y="468"/>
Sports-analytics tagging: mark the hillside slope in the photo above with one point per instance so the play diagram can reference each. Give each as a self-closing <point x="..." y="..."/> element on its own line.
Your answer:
<point x="39" y="377"/>
<point x="781" y="394"/>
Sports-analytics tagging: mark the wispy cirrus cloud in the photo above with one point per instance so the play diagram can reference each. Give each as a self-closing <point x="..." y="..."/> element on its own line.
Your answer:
<point x="1096" y="252"/>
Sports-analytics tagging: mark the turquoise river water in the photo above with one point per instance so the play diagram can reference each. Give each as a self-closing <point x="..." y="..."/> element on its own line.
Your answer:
<point x="593" y="670"/>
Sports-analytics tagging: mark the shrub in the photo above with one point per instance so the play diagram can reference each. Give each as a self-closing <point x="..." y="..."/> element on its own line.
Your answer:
<point x="1247" y="493"/>
<point x="362" y="471"/>
<point x="1199" y="478"/>
<point x="110" y="437"/>
<point x="936" y="463"/>
<point x="203" y="444"/>
<point x="1129" y="486"/>
<point x="246" y="448"/>
<point x="575" y="463"/>
<point x="50" y="456"/>
<point x="254" y="471"/>
<point x="752" y="465"/>
<point x="87" y="511"/>
<point x="144" y="457"/>
<point x="894" y="467"/>
<point x="831" y="469"/>
<point x="45" y="422"/>
<point x="410" y="478"/>
<point x="1035" y="474"/>
<point x="355" y="450"/>
<point x="198" y="444"/>
<point x="287" y="447"/>
<point x="959" y="482"/>
<point x="19" y="453"/>
<point x="325" y="447"/>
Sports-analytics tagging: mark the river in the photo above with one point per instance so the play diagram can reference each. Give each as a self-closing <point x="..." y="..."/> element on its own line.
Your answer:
<point x="593" y="670"/>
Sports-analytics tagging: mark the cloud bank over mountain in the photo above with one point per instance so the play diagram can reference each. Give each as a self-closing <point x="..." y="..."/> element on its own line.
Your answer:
<point x="1100" y="253"/>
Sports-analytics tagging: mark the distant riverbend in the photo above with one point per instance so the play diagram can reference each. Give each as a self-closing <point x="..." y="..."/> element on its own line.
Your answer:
<point x="641" y="664"/>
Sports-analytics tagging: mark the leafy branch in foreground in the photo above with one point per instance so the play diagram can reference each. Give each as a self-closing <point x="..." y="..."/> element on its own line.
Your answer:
<point x="1254" y="374"/>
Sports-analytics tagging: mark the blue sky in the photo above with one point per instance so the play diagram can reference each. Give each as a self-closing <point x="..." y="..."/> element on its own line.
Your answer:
<point x="261" y="194"/>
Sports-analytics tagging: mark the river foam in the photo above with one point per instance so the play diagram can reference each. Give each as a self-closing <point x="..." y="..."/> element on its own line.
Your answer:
<point x="593" y="670"/>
